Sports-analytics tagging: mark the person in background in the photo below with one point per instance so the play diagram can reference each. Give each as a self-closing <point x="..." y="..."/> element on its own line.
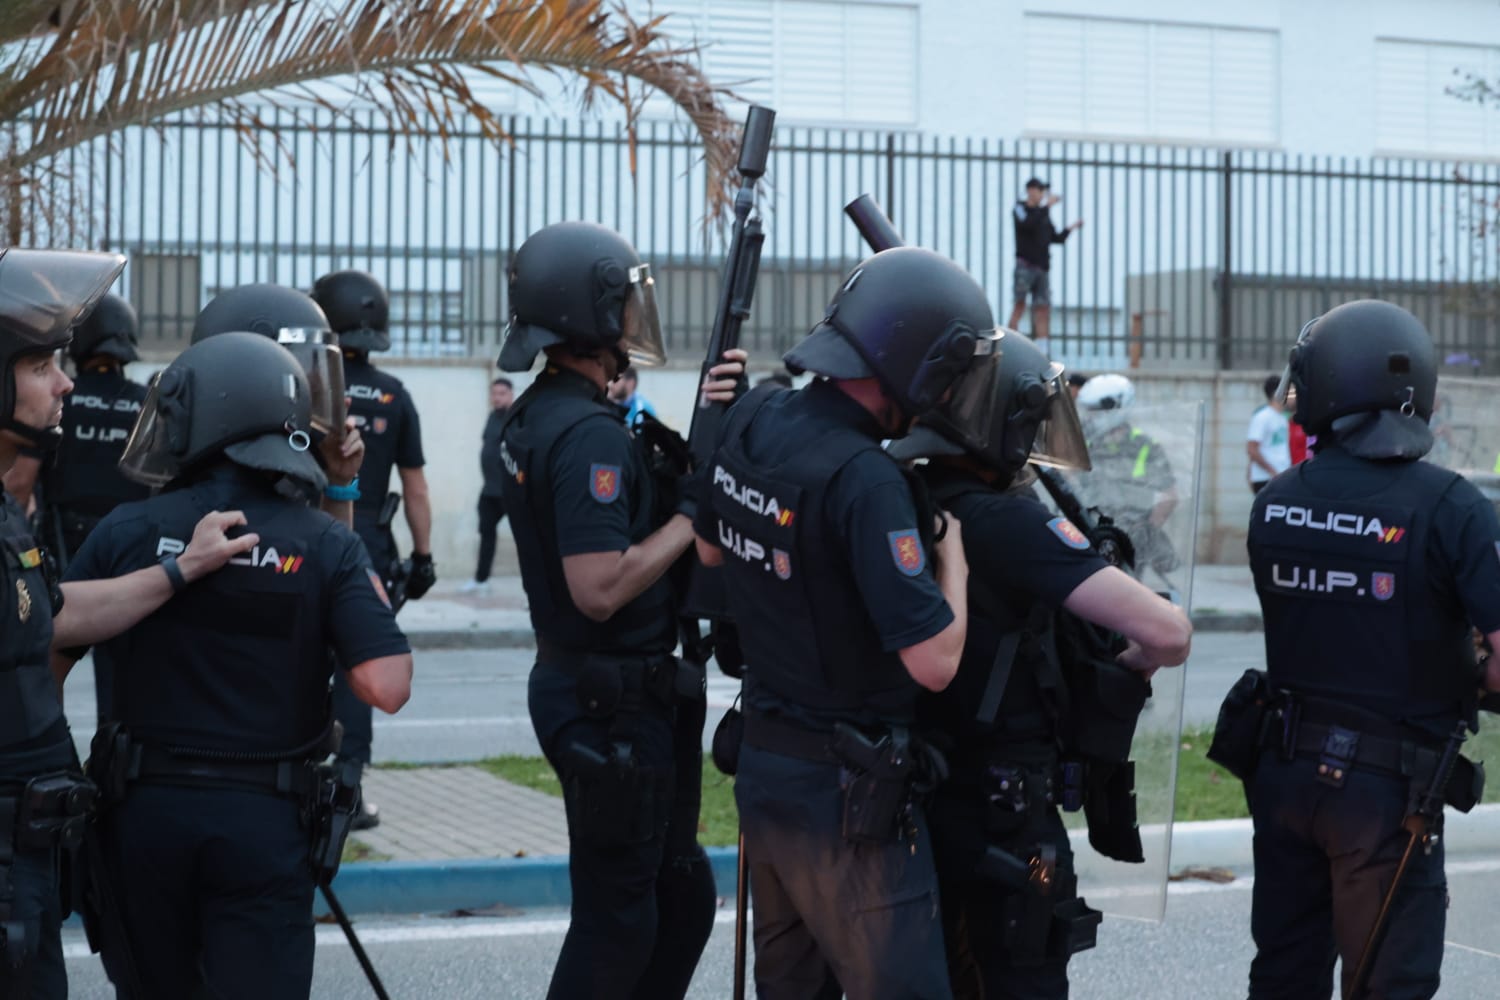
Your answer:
<point x="1035" y="235"/>
<point x="1076" y="382"/>
<point x="491" y="495"/>
<point x="1268" y="440"/>
<point x="623" y="393"/>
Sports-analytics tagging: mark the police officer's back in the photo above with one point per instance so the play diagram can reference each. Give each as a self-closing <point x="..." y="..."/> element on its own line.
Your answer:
<point x="222" y="695"/>
<point x="1014" y="716"/>
<point x="843" y="616"/>
<point x="617" y="715"/>
<point x="1371" y="565"/>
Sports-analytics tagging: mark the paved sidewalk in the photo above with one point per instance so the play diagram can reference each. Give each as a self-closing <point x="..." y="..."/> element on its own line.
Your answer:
<point x="442" y="813"/>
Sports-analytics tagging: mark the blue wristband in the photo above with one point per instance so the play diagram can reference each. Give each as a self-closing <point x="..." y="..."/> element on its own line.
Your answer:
<point x="343" y="493"/>
<point x="174" y="574"/>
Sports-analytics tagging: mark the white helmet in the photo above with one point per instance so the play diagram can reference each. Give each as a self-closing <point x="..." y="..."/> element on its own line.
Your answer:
<point x="1103" y="401"/>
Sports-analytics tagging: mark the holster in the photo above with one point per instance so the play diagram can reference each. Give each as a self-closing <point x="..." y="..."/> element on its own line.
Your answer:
<point x="47" y="814"/>
<point x="877" y="781"/>
<point x="1110" y="808"/>
<point x="1240" y="733"/>
<point x="1044" y="918"/>
<point x="330" y="813"/>
<point x="616" y="800"/>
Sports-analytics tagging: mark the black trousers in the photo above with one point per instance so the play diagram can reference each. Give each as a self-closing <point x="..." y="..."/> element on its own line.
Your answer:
<point x="1323" y="862"/>
<point x="643" y="893"/>
<point x="491" y="511"/>
<point x="830" y="914"/>
<point x="216" y="892"/>
<point x="34" y="904"/>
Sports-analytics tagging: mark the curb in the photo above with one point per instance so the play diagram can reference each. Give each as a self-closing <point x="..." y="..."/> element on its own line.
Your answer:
<point x="542" y="883"/>
<point x="523" y="638"/>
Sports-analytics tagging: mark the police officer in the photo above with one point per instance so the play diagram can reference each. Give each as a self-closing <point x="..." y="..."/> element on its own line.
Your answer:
<point x="222" y="696"/>
<point x="1370" y="565"/>
<point x="595" y="541"/>
<point x="846" y="607"/>
<point x="1009" y="716"/>
<point x="42" y="800"/>
<point x="1132" y="477"/>
<point x="358" y="311"/>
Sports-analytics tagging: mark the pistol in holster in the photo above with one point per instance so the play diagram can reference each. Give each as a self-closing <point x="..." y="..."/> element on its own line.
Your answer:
<point x="331" y="810"/>
<point x="1045" y="919"/>
<point x="616" y="798"/>
<point x="881" y="781"/>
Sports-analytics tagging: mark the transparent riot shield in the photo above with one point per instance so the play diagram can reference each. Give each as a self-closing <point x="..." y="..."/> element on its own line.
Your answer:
<point x="1145" y="478"/>
<point x="1466" y="438"/>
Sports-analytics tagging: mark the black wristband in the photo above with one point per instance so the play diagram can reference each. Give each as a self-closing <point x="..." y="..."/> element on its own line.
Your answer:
<point x="174" y="574"/>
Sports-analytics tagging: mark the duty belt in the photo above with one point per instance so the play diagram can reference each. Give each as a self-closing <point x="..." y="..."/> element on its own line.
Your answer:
<point x="291" y="778"/>
<point x="660" y="675"/>
<point x="801" y="742"/>
<point x="1341" y="739"/>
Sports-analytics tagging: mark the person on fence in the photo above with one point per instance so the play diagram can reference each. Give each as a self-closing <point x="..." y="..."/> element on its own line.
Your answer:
<point x="1268" y="441"/>
<point x="1371" y="565"/>
<point x="1035" y="235"/>
<point x="848" y="602"/>
<point x="492" y="494"/>
<point x="358" y="310"/>
<point x="596" y="535"/>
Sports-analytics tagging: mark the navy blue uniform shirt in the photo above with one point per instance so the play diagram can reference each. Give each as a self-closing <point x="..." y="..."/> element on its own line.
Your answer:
<point x="387" y="420"/>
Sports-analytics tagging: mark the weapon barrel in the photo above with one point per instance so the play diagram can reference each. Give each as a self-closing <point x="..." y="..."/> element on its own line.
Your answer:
<point x="873" y="224"/>
<point x="755" y="146"/>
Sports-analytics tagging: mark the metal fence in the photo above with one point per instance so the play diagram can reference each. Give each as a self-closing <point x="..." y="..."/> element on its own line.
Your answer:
<point x="1189" y="258"/>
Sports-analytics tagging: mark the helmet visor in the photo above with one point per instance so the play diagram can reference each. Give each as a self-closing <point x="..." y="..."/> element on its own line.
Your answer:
<point x="43" y="293"/>
<point x="969" y="403"/>
<point x="642" y="339"/>
<point x="1284" y="394"/>
<point x="149" y="457"/>
<point x="1059" y="436"/>
<point x="318" y="352"/>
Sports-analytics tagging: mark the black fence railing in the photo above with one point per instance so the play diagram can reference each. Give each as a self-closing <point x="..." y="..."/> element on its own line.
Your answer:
<point x="1189" y="258"/>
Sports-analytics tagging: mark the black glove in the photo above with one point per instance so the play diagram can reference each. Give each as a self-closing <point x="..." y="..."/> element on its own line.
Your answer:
<point x="689" y="492"/>
<point x="423" y="575"/>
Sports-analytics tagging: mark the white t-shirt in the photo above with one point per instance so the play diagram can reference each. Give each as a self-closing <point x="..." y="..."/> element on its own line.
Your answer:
<point x="1269" y="429"/>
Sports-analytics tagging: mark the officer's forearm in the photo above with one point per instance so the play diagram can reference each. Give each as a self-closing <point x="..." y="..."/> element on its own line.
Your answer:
<point x="96" y="610"/>
<point x="601" y="583"/>
<point x="418" y="505"/>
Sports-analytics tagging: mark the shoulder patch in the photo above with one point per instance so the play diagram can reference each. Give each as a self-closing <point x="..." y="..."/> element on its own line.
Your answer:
<point x="1069" y="532"/>
<point x="604" y="482"/>
<point x="379" y="586"/>
<point x="906" y="551"/>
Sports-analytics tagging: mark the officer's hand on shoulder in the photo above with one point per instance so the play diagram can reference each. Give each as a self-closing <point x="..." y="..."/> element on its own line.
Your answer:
<point x="343" y="455"/>
<point x="726" y="380"/>
<point x="211" y="547"/>
<point x="423" y="575"/>
<point x="949" y="540"/>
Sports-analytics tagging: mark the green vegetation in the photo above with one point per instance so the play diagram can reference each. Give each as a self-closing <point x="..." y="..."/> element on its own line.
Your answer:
<point x="357" y="850"/>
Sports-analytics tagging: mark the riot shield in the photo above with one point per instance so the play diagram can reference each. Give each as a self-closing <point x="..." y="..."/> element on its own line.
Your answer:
<point x="1466" y="438"/>
<point x="1146" y="478"/>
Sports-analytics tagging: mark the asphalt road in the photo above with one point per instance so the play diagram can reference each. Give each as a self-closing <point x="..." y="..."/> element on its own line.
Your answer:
<point x="1201" y="952"/>
<point x="468" y="704"/>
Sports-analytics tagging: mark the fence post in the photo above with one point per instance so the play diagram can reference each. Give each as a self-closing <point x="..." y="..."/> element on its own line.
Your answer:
<point x="1226" y="265"/>
<point x="890" y="177"/>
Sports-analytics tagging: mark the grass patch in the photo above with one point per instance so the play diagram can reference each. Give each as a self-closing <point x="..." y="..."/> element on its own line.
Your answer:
<point x="358" y="850"/>
<point x="1204" y="789"/>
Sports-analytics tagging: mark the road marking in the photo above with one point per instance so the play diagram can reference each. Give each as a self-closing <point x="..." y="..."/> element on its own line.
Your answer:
<point x="488" y="720"/>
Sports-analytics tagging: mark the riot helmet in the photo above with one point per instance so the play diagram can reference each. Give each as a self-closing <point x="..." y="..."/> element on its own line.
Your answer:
<point x="1365" y="375"/>
<point x="358" y="309"/>
<point x="1103" y="402"/>
<point x="43" y="294"/>
<point x="919" y="324"/>
<point x="584" y="286"/>
<point x="1032" y="418"/>
<point x="294" y="320"/>
<point x="238" y="394"/>
<point x="111" y="330"/>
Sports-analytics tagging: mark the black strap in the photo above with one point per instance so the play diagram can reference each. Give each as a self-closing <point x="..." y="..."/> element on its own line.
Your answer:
<point x="994" y="688"/>
<point x="293" y="778"/>
<point x="1395" y="758"/>
<point x="774" y="736"/>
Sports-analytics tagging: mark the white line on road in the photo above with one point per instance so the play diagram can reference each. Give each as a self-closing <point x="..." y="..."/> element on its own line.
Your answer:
<point x="487" y="720"/>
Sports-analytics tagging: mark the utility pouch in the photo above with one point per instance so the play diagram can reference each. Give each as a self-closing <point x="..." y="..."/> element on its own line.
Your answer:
<point x="1075" y="927"/>
<point x="729" y="735"/>
<point x="876" y="781"/>
<point x="1337" y="756"/>
<point x="1240" y="732"/>
<point x="335" y="803"/>
<point x="1106" y="706"/>
<point x="113" y="761"/>
<point x="1029" y="912"/>
<point x="1074" y="785"/>
<point x="1466" y="787"/>
<point x="614" y="798"/>
<point x="1007" y="799"/>
<point x="54" y="811"/>
<point x="1110" y="809"/>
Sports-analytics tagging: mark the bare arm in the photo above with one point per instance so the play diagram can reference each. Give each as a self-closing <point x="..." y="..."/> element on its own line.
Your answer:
<point x="418" y="505"/>
<point x="20" y="481"/>
<point x="1492" y="665"/>
<point x="95" y="610"/>
<point x="1112" y="599"/>
<point x="1252" y="448"/>
<point x="709" y="553"/>
<point x="602" y="583"/>
<point x="342" y="458"/>
<point x="384" y="682"/>
<point x="933" y="662"/>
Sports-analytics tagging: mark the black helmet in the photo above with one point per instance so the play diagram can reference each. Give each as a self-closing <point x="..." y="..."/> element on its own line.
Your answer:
<point x="583" y="285"/>
<point x="1033" y="418"/>
<point x="111" y="330"/>
<point x="43" y="294"/>
<point x="1365" y="374"/>
<point x="294" y="320"/>
<point x="916" y="321"/>
<point x="240" y="395"/>
<point x="358" y="309"/>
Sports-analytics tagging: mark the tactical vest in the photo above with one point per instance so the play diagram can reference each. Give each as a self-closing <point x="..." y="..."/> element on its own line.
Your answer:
<point x="1349" y="610"/>
<point x="238" y="661"/>
<point x="28" y="695"/>
<point x="547" y="410"/>
<point x="806" y="635"/>
<point x="83" y="480"/>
